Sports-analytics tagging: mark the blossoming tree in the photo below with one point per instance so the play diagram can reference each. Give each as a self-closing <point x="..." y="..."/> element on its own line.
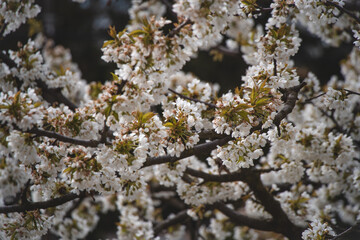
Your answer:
<point x="277" y="157"/>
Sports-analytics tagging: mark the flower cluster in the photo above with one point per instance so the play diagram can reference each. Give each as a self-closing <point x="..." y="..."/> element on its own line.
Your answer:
<point x="13" y="13"/>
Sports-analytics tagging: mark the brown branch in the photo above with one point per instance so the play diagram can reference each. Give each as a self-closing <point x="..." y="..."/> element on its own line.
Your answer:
<point x="62" y="138"/>
<point x="176" y="30"/>
<point x="271" y="205"/>
<point x="344" y="10"/>
<point x="351" y="92"/>
<point x="54" y="95"/>
<point x="275" y="67"/>
<point x="192" y="99"/>
<point x="242" y="220"/>
<point x="31" y="206"/>
<point x="231" y="177"/>
<point x="180" y="217"/>
<point x="204" y="148"/>
<point x="23" y="197"/>
<point x="290" y="96"/>
<point x="210" y="135"/>
<point x="310" y="99"/>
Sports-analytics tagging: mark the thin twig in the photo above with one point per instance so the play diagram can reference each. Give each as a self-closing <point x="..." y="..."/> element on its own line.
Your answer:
<point x="192" y="99"/>
<point x="351" y="92"/>
<point x="310" y="99"/>
<point x="347" y="231"/>
<point x="180" y="217"/>
<point x="179" y="27"/>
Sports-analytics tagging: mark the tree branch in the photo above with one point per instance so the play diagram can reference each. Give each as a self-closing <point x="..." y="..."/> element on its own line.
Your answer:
<point x="192" y="99"/>
<point x="231" y="177"/>
<point x="271" y="205"/>
<point x="180" y="217"/>
<point x="53" y="95"/>
<point x="62" y="138"/>
<point x="204" y="148"/>
<point x="242" y="220"/>
<point x="176" y="30"/>
<point x="30" y="206"/>
<point x="290" y="97"/>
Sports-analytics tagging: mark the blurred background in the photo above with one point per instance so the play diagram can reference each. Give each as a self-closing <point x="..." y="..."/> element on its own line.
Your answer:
<point x="83" y="28"/>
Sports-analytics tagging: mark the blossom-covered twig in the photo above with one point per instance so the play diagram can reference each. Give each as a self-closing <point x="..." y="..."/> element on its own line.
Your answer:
<point x="179" y="27"/>
<point x="204" y="148"/>
<point x="192" y="99"/>
<point x="30" y="206"/>
<point x="178" y="218"/>
<point x="51" y="95"/>
<point x="344" y="10"/>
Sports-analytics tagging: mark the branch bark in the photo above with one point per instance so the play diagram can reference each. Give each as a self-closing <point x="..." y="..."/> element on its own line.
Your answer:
<point x="232" y="177"/>
<point x="239" y="219"/>
<point x="62" y="138"/>
<point x="204" y="148"/>
<point x="180" y="217"/>
<point x="290" y="97"/>
<point x="192" y="99"/>
<point x="272" y="206"/>
<point x="30" y="206"/>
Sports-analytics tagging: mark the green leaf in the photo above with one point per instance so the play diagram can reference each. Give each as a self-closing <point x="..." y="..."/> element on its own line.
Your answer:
<point x="67" y="170"/>
<point x="262" y="102"/>
<point x="244" y="115"/>
<point x="147" y="116"/>
<point x="107" y="111"/>
<point x="137" y="32"/>
<point x="116" y="115"/>
<point x="106" y="43"/>
<point x="115" y="77"/>
<point x="168" y="124"/>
